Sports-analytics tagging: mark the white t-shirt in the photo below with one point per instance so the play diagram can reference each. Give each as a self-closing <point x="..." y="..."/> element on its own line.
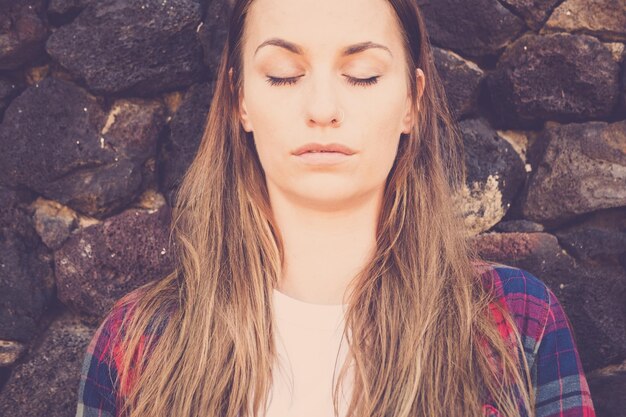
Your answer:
<point x="308" y="340"/>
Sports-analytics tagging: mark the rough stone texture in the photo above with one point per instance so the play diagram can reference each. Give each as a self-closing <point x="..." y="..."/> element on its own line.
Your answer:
<point x="26" y="275"/>
<point x="46" y="382"/>
<point x="22" y="32"/>
<point x="132" y="46"/>
<point x="548" y="77"/>
<point x="213" y="32"/>
<point x="186" y="128"/>
<point x="599" y="239"/>
<point x="592" y="296"/>
<point x="87" y="159"/>
<point x="100" y="263"/>
<point x="605" y="19"/>
<point x="556" y="192"/>
<point x="618" y="50"/>
<point x="623" y="89"/>
<point x="53" y="222"/>
<point x="470" y="27"/>
<point x="8" y="90"/>
<point x="10" y="352"/>
<point x="534" y="12"/>
<point x="520" y="226"/>
<point x="607" y="387"/>
<point x="461" y="79"/>
<point x="63" y="7"/>
<point x="495" y="173"/>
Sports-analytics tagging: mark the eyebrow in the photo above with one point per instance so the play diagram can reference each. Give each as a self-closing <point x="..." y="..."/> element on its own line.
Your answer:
<point x="348" y="50"/>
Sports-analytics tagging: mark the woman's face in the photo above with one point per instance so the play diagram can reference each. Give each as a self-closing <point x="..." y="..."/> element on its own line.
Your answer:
<point x="322" y="85"/>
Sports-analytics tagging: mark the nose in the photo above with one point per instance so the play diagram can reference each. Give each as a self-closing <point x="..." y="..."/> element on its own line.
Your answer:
<point x="322" y="103"/>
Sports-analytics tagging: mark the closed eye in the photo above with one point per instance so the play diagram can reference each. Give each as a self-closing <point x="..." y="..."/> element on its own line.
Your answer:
<point x="292" y="80"/>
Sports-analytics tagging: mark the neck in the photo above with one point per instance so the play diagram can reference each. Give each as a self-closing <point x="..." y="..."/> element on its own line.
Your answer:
<point x="325" y="246"/>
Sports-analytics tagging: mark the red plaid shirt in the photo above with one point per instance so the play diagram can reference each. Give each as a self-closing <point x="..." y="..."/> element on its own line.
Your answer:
<point x="549" y="346"/>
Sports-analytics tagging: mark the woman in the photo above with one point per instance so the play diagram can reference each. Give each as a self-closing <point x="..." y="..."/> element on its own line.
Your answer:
<point x="321" y="198"/>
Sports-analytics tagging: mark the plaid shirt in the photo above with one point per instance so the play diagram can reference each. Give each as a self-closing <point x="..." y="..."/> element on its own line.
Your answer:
<point x="549" y="346"/>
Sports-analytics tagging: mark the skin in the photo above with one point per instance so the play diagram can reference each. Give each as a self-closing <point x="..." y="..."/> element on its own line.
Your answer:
<point x="326" y="214"/>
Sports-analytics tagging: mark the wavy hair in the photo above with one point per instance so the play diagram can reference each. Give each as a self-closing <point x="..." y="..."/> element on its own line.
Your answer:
<point x="422" y="340"/>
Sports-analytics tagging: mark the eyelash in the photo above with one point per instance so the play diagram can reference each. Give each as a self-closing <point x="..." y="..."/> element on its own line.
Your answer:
<point x="364" y="82"/>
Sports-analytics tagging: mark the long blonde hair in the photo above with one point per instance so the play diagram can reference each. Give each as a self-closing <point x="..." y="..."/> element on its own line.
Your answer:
<point x="418" y="311"/>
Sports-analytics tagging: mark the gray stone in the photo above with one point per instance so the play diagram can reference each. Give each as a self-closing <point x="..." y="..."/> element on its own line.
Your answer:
<point x="495" y="172"/>
<point x="520" y="226"/>
<point x="46" y="382"/>
<point x="26" y="274"/>
<point x="461" y="79"/>
<point x="53" y="222"/>
<point x="63" y="7"/>
<point x="132" y="46"/>
<point x="601" y="238"/>
<point x="57" y="140"/>
<point x="22" y="32"/>
<point x="608" y="390"/>
<point x="186" y="128"/>
<point x="623" y="89"/>
<point x="534" y="12"/>
<point x="470" y="27"/>
<point x="10" y="352"/>
<point x="213" y="33"/>
<point x="8" y="90"/>
<point x="605" y="19"/>
<point x="579" y="168"/>
<point x="541" y="78"/>
<point x="100" y="263"/>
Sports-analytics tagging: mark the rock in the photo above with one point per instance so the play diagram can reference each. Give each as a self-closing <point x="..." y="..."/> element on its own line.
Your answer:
<point x="132" y="127"/>
<point x="623" y="89"/>
<point x="99" y="264"/>
<point x="26" y="274"/>
<point x="84" y="158"/>
<point x="604" y="19"/>
<point x="186" y="128"/>
<point x="519" y="226"/>
<point x="557" y="193"/>
<point x="494" y="174"/>
<point x="132" y="46"/>
<point x="461" y="79"/>
<point x="22" y="33"/>
<point x="46" y="383"/>
<point x="59" y="8"/>
<point x="592" y="295"/>
<point x="213" y="33"/>
<point x="470" y="27"/>
<point x="10" y="352"/>
<point x="541" y="78"/>
<point x="608" y="390"/>
<point x="53" y="222"/>
<point x="534" y="12"/>
<point x="8" y="90"/>
<point x="599" y="239"/>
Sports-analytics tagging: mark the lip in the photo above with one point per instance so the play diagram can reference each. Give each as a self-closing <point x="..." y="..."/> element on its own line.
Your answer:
<point x="318" y="147"/>
<point x="323" y="158"/>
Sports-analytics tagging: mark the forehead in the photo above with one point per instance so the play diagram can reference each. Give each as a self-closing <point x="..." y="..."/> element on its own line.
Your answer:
<point x="322" y="25"/>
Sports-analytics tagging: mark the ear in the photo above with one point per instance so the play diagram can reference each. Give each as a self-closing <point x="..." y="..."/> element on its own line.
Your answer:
<point x="243" y="112"/>
<point x="408" y="121"/>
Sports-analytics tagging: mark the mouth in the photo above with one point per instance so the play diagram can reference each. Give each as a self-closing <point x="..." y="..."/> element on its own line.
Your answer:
<point x="323" y="158"/>
<point x="323" y="154"/>
<point x="331" y="148"/>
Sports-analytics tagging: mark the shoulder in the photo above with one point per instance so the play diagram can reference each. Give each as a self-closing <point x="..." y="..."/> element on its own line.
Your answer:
<point x="98" y="389"/>
<point x="526" y="297"/>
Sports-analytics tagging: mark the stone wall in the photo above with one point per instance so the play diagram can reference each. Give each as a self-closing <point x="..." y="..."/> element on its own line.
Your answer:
<point x="102" y="103"/>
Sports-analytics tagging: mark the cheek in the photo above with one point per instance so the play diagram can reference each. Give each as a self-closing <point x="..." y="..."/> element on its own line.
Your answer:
<point x="382" y="152"/>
